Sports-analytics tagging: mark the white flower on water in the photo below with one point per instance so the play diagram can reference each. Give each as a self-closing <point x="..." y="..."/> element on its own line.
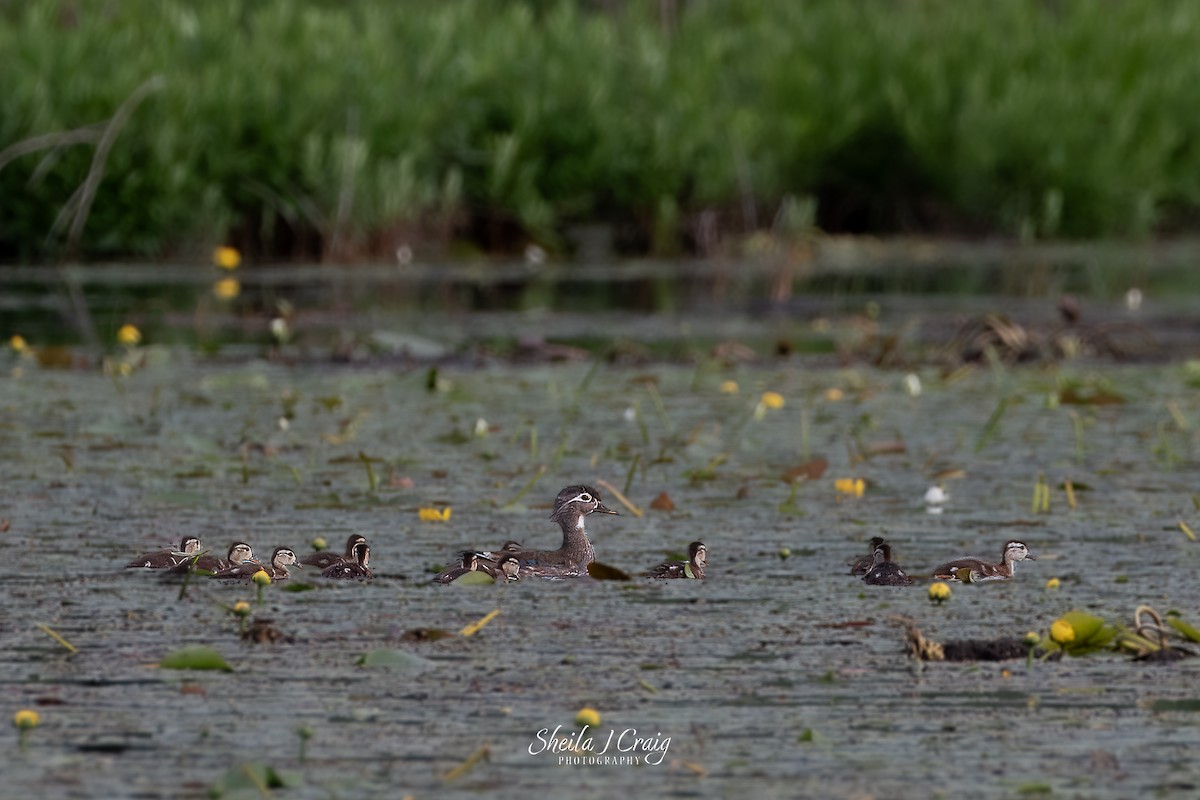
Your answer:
<point x="1133" y="299"/>
<point x="535" y="254"/>
<point x="912" y="384"/>
<point x="935" y="498"/>
<point x="481" y="427"/>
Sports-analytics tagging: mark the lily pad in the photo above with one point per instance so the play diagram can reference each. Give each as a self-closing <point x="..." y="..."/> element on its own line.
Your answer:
<point x="253" y="780"/>
<point x="198" y="656"/>
<point x="474" y="578"/>
<point x="394" y="659"/>
<point x="603" y="572"/>
<point x="1191" y="704"/>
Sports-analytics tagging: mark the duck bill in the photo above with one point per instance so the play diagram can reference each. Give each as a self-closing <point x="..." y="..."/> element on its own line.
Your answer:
<point x="603" y="509"/>
<point x="1030" y="557"/>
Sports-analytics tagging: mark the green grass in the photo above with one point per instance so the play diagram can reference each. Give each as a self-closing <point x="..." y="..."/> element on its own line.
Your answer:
<point x="302" y="128"/>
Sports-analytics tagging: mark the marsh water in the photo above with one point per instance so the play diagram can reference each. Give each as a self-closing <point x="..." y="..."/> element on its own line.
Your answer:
<point x="773" y="677"/>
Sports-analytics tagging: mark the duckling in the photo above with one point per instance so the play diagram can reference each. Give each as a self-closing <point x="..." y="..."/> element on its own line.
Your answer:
<point x="469" y="562"/>
<point x="886" y="572"/>
<point x="327" y="558"/>
<point x="862" y="564"/>
<point x="356" y="570"/>
<point x="509" y="570"/>
<point x="165" y="559"/>
<point x="692" y="568"/>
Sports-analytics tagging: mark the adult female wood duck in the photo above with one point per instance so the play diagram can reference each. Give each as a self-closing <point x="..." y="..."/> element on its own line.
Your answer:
<point x="281" y="559"/>
<point x="974" y="570"/>
<point x="238" y="553"/>
<point x="357" y="570"/>
<point x="886" y="572"/>
<point x="863" y="564"/>
<point x="165" y="559"/>
<point x="571" y="508"/>
<point x="327" y="558"/>
<point x="692" y="568"/>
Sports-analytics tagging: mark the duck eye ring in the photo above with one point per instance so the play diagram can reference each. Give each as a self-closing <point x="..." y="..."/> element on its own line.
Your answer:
<point x="585" y="497"/>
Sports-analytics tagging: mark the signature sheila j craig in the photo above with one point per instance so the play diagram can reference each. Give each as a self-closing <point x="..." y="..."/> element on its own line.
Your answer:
<point x="579" y="747"/>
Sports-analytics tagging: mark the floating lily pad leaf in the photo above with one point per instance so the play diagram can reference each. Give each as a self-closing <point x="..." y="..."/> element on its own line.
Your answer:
<point x="1085" y="625"/>
<point x="201" y="445"/>
<point x="1035" y="788"/>
<point x="331" y="403"/>
<point x="111" y="427"/>
<point x="197" y="472"/>
<point x="198" y="656"/>
<point x="1191" y="704"/>
<point x="298" y="586"/>
<point x="454" y="437"/>
<point x="179" y="498"/>
<point x="663" y="502"/>
<point x="418" y="347"/>
<point x="1091" y="633"/>
<point x="330" y="500"/>
<point x="474" y="578"/>
<point x="1089" y="396"/>
<point x="810" y="470"/>
<point x="253" y="780"/>
<point x="394" y="659"/>
<point x="603" y="572"/>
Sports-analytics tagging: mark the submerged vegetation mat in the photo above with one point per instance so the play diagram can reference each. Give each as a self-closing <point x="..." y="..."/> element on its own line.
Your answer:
<point x="778" y="673"/>
<point x="304" y="129"/>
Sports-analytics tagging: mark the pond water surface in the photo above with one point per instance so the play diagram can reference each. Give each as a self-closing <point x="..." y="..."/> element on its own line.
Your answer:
<point x="774" y="677"/>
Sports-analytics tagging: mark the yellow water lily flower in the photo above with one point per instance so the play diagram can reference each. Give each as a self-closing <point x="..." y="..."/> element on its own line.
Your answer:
<point x="939" y="592"/>
<point x="728" y="387"/>
<point x="261" y="577"/>
<point x="1032" y="639"/>
<point x="772" y="399"/>
<point x="1062" y="632"/>
<point x="241" y="608"/>
<point x="434" y="514"/>
<point x="850" y="486"/>
<point x="27" y="718"/>
<point x="587" y="716"/>
<point x="833" y="394"/>
<point x="227" y="288"/>
<point x="18" y="343"/>
<point x="227" y="257"/>
<point x="1052" y="584"/>
<point x="129" y="335"/>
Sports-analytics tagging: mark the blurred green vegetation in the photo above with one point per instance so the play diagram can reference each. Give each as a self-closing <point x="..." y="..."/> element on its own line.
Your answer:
<point x="323" y="128"/>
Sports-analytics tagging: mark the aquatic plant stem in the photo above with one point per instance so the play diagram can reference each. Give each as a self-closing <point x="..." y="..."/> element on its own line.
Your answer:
<point x="53" y="634"/>
<point x="529" y="485"/>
